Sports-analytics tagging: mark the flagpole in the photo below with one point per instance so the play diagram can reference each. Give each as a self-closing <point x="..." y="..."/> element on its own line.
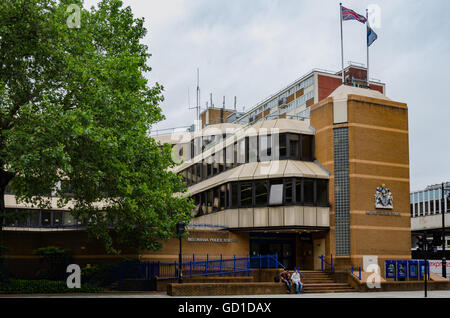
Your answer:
<point x="342" y="42"/>
<point x="367" y="43"/>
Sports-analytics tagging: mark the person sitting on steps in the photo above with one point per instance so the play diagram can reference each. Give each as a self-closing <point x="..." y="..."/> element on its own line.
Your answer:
<point x="285" y="278"/>
<point x="297" y="281"/>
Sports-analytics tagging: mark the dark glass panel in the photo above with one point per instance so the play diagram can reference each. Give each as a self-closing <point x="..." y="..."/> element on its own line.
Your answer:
<point x="246" y="195"/>
<point x="308" y="191"/>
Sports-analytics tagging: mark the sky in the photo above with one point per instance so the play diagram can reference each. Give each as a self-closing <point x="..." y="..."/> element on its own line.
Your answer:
<point x="253" y="48"/>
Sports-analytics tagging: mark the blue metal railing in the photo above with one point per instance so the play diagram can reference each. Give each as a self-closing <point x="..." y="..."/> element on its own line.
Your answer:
<point x="359" y="273"/>
<point x="197" y="266"/>
<point x="324" y="263"/>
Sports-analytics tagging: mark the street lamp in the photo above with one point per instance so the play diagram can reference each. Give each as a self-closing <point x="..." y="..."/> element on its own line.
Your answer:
<point x="180" y="230"/>
<point x="444" y="261"/>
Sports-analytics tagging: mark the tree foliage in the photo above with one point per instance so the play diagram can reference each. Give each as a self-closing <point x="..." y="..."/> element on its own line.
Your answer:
<point x="75" y="111"/>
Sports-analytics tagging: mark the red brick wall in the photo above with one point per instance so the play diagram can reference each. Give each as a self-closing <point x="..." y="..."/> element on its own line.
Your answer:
<point x="327" y="84"/>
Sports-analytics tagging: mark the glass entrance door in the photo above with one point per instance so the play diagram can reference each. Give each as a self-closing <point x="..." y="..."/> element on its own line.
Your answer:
<point x="282" y="245"/>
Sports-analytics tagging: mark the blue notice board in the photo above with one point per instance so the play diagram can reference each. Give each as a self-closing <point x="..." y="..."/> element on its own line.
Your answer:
<point x="391" y="271"/>
<point x="413" y="269"/>
<point x="422" y="269"/>
<point x="402" y="269"/>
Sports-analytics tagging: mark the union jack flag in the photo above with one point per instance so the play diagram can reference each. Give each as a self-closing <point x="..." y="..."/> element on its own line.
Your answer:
<point x="348" y="14"/>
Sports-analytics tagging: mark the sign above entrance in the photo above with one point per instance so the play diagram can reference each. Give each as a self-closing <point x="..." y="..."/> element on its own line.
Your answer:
<point x="383" y="213"/>
<point x="211" y="239"/>
<point x="383" y="198"/>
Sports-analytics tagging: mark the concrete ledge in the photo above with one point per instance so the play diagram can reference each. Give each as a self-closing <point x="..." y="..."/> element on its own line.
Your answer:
<point x="388" y="286"/>
<point x="162" y="284"/>
<point x="220" y="289"/>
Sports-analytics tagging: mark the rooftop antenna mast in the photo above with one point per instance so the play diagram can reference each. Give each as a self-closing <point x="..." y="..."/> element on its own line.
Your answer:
<point x="197" y="106"/>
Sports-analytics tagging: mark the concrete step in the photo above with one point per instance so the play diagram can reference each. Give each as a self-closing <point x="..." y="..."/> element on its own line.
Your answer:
<point x="326" y="291"/>
<point x="326" y="284"/>
<point x="326" y="288"/>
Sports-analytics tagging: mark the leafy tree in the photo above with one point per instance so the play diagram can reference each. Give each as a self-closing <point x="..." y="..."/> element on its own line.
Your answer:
<point x="75" y="111"/>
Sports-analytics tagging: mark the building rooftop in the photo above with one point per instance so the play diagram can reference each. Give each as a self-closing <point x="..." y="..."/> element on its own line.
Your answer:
<point x="344" y="90"/>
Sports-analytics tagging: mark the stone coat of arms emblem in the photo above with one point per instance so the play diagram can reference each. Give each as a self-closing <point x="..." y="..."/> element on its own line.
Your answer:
<point x="383" y="198"/>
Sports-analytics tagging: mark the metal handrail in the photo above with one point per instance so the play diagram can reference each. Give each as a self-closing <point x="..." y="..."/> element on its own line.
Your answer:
<point x="359" y="276"/>
<point x="195" y="267"/>
<point x="322" y="258"/>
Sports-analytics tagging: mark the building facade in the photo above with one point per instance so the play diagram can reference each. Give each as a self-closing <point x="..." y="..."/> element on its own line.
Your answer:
<point x="319" y="169"/>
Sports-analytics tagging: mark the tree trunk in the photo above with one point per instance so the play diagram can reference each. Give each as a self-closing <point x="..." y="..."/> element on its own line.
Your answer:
<point x="5" y="178"/>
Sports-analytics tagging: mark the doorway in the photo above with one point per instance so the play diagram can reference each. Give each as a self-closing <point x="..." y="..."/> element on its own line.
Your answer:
<point x="319" y="249"/>
<point x="283" y="245"/>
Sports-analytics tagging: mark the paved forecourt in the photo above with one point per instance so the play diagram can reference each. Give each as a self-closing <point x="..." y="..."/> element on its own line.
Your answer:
<point x="402" y="294"/>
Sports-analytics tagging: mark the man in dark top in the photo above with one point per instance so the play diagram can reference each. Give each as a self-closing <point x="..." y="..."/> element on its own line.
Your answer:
<point x="285" y="278"/>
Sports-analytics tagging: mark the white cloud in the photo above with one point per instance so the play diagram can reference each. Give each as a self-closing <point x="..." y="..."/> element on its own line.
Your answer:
<point x="252" y="49"/>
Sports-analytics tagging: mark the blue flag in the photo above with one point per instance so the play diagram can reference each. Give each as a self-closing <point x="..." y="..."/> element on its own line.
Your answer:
<point x="371" y="35"/>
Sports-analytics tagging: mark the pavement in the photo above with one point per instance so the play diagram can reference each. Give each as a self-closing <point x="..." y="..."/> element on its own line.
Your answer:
<point x="402" y="294"/>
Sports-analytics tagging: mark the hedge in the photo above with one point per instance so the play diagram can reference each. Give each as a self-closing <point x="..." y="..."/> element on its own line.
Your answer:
<point x="15" y="286"/>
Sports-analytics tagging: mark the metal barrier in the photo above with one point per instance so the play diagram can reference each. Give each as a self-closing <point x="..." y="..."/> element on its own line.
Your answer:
<point x="197" y="266"/>
<point x="324" y="263"/>
<point x="359" y="273"/>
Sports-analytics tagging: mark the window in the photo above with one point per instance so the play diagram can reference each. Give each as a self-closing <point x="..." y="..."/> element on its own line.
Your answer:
<point x="46" y="218"/>
<point x="229" y="157"/>
<point x="241" y="151"/>
<point x="209" y="165"/>
<point x="265" y="148"/>
<point x="192" y="154"/>
<point x="22" y="217"/>
<point x="222" y="197"/>
<point x="57" y="218"/>
<point x="185" y="176"/>
<point x="198" y="203"/>
<point x="235" y="155"/>
<point x="220" y="161"/>
<point x="289" y="193"/>
<point x="294" y="146"/>
<point x="204" y="169"/>
<point x="193" y="173"/>
<point x="216" y="199"/>
<point x="308" y="191"/>
<point x="69" y="220"/>
<point x="261" y="193"/>
<point x="307" y="141"/>
<point x="209" y="201"/>
<point x="215" y="158"/>
<point x="252" y="148"/>
<point x="298" y="191"/>
<point x="199" y="172"/>
<point x="35" y="216"/>
<point x="322" y="192"/>
<point x="228" y="196"/>
<point x="234" y="195"/>
<point x="246" y="194"/>
<point x="282" y="146"/>
<point x="276" y="192"/>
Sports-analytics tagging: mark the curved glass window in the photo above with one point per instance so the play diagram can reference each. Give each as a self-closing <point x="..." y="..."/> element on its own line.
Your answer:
<point x="246" y="195"/>
<point x="268" y="192"/>
<point x="262" y="148"/>
<point x="261" y="192"/>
